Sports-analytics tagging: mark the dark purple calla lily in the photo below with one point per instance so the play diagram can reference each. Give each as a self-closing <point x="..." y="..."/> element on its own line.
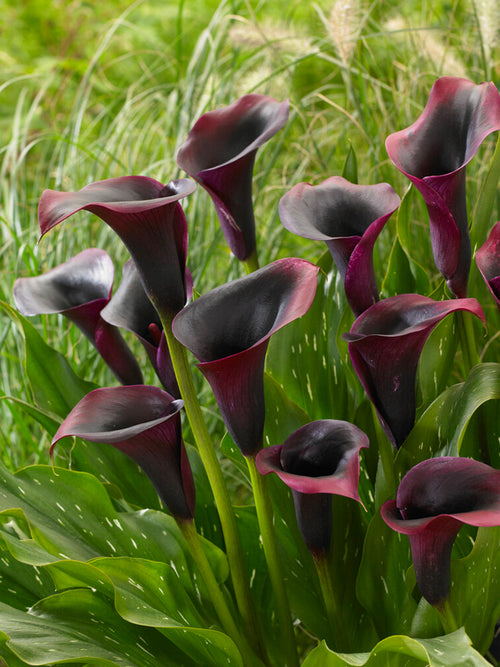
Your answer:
<point x="433" y="154"/>
<point x="488" y="262"/>
<point x="143" y="422"/>
<point x="348" y="218"/>
<point x="148" y="218"/>
<point x="219" y="154"/>
<point x="316" y="461"/>
<point x="79" y="289"/>
<point x="228" y="330"/>
<point x="131" y="309"/>
<point x="385" y="343"/>
<point x="434" y="499"/>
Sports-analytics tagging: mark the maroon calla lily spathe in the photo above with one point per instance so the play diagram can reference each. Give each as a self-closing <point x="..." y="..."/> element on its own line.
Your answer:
<point x="316" y="461"/>
<point x="148" y="218"/>
<point x="131" y="309"/>
<point x="488" y="262"/>
<point x="433" y="154"/>
<point x="434" y="500"/>
<point x="348" y="218"/>
<point x="143" y="422"/>
<point x="385" y="343"/>
<point x="80" y="289"/>
<point x="219" y="154"/>
<point x="228" y="330"/>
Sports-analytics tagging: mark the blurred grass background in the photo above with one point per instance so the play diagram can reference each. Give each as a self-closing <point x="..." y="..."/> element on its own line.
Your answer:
<point x="92" y="90"/>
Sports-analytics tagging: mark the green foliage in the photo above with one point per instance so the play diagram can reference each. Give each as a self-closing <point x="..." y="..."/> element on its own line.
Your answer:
<point x="401" y="651"/>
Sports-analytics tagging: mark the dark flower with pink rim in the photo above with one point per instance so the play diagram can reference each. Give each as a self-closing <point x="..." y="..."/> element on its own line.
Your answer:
<point x="228" y="330"/>
<point x="80" y="289"/>
<point x="316" y="461"/>
<point x="434" y="500"/>
<point x="143" y="422"/>
<point x="219" y="154"/>
<point x="149" y="219"/>
<point x="348" y="218"/>
<point x="434" y="152"/>
<point x="385" y="344"/>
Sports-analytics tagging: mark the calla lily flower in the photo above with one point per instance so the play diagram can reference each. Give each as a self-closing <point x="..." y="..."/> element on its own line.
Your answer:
<point x="228" y="330"/>
<point x="148" y="218"/>
<point x="131" y="309"/>
<point x="319" y="459"/>
<point x="488" y="262"/>
<point x="385" y="343"/>
<point x="348" y="218"/>
<point x="143" y="422"/>
<point x="433" y="154"/>
<point x="219" y="154"/>
<point x="434" y="500"/>
<point x="79" y="289"/>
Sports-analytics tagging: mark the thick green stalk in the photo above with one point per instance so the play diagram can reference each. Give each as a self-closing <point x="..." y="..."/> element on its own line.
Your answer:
<point x="209" y="459"/>
<point x="325" y="582"/>
<point x="226" y="619"/>
<point x="266" y="524"/>
<point x="252" y="263"/>
<point x="447" y="617"/>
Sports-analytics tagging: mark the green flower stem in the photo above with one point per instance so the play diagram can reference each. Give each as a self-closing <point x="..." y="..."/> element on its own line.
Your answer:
<point x="467" y="340"/>
<point x="326" y="584"/>
<point x="252" y="263"/>
<point x="266" y="524"/>
<point x="447" y="617"/>
<point x="208" y="456"/>
<point x="226" y="619"/>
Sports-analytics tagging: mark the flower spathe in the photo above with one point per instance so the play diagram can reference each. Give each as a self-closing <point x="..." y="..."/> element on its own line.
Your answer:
<point x="319" y="459"/>
<point x="433" y="154"/>
<point x="131" y="309"/>
<point x="348" y="218"/>
<point x="80" y="289"/>
<point x="143" y="422"/>
<point x="385" y="343"/>
<point x="228" y="330"/>
<point x="148" y="218"/>
<point x="219" y="154"/>
<point x="434" y="499"/>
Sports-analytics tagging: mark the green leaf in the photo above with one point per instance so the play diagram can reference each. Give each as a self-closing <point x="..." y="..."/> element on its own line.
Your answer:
<point x="153" y="594"/>
<point x="79" y="625"/>
<point x="401" y="651"/>
<point x="283" y="416"/>
<point x="434" y="435"/>
<point x="111" y="467"/>
<point x="485" y="203"/>
<point x="48" y="420"/>
<point x="21" y="586"/>
<point x="398" y="278"/>
<point x="475" y="588"/>
<point x="436" y="360"/>
<point x="348" y="534"/>
<point x="55" y="386"/>
<point x="70" y="516"/>
<point x="406" y="237"/>
<point x="381" y="585"/>
<point x="308" y="357"/>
